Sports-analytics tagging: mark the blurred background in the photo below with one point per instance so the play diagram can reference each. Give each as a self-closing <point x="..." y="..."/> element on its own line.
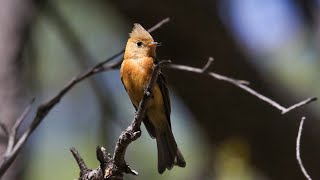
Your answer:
<point x="223" y="132"/>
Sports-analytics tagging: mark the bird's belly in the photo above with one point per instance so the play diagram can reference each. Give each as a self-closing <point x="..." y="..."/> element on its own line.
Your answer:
<point x="155" y="108"/>
<point x="135" y="87"/>
<point x="136" y="91"/>
<point x="135" y="80"/>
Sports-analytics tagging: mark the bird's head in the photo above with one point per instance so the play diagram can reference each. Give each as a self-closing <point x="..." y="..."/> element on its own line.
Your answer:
<point x="140" y="44"/>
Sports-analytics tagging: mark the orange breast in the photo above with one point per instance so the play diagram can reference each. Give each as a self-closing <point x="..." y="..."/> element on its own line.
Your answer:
<point x="135" y="74"/>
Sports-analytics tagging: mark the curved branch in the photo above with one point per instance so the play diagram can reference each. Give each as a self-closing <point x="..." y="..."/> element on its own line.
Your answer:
<point x="304" y="171"/>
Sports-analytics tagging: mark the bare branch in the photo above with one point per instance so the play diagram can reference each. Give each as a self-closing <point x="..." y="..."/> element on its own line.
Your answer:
<point x="304" y="171"/>
<point x="86" y="173"/>
<point x="241" y="84"/>
<point x="12" y="135"/>
<point x="11" y="153"/>
<point x="206" y="67"/>
<point x="80" y="162"/>
<point x="302" y="103"/>
<point x="159" y="24"/>
<point x="46" y="107"/>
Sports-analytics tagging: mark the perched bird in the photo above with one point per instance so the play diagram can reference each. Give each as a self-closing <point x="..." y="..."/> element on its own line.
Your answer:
<point x="136" y="71"/>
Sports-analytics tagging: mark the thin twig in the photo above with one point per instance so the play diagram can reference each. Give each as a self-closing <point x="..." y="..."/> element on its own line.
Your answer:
<point x="207" y="67"/>
<point x="12" y="135"/>
<point x="304" y="171"/>
<point x="241" y="84"/>
<point x="11" y="152"/>
<point x="159" y="24"/>
<point x="46" y="107"/>
<point x="302" y="103"/>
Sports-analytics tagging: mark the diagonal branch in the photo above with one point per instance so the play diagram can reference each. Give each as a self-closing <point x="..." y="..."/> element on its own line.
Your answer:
<point x="12" y="152"/>
<point x="12" y="134"/>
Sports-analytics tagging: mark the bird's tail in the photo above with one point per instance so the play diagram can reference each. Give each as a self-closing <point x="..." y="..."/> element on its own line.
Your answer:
<point x="168" y="152"/>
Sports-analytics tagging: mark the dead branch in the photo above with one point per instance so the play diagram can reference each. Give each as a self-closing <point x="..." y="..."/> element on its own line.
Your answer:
<point x="11" y="150"/>
<point x="304" y="171"/>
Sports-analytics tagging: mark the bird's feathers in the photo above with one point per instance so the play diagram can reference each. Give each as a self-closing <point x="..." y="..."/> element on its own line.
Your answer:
<point x="162" y="83"/>
<point x="138" y="32"/>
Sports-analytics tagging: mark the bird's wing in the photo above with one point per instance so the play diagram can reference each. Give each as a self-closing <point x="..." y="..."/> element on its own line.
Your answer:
<point x="162" y="83"/>
<point x="151" y="130"/>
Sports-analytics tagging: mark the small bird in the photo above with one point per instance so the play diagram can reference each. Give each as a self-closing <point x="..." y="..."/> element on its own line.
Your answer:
<point x="136" y="71"/>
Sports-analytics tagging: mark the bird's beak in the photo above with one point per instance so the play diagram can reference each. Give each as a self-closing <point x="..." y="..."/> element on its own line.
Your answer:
<point x="153" y="44"/>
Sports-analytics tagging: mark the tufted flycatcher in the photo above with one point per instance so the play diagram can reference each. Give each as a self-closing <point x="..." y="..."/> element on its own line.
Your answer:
<point x="136" y="71"/>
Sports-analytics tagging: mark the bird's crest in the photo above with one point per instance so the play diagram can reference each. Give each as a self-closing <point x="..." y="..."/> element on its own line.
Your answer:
<point x="139" y="32"/>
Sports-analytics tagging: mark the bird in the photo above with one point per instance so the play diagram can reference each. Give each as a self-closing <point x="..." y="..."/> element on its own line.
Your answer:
<point x="135" y="72"/>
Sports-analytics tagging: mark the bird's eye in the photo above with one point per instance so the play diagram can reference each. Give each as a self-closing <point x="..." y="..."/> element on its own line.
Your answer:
<point x="139" y="44"/>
